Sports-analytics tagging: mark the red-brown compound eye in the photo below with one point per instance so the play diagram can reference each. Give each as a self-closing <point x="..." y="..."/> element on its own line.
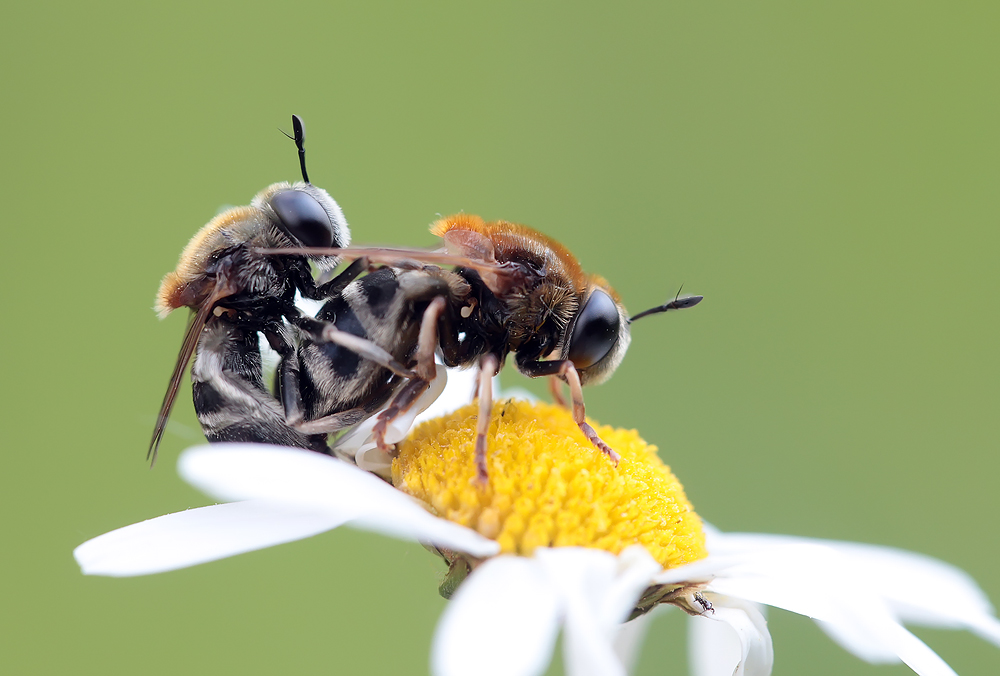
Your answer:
<point x="303" y="218"/>
<point x="596" y="330"/>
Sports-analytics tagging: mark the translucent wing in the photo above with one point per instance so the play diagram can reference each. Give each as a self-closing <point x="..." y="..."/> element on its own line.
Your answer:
<point x="499" y="277"/>
<point x="191" y="336"/>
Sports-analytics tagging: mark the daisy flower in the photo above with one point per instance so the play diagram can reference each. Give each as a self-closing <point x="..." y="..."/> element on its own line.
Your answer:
<point x="558" y="540"/>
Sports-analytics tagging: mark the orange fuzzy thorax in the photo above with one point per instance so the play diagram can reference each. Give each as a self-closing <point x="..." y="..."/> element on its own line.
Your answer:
<point x="512" y="241"/>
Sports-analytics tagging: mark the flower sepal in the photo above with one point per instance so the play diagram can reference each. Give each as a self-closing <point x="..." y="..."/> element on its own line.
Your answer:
<point x="458" y="570"/>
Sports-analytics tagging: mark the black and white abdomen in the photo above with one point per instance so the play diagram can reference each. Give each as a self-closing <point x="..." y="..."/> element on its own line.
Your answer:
<point x="336" y="378"/>
<point x="383" y="308"/>
<point x="230" y="398"/>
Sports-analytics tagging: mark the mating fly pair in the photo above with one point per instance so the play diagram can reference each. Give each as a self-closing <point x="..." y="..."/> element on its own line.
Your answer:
<point x="495" y="289"/>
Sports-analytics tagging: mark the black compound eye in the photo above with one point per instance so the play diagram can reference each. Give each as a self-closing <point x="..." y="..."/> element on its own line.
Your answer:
<point x="596" y="330"/>
<point x="302" y="217"/>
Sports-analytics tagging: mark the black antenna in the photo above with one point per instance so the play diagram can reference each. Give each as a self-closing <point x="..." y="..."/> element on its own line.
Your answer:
<point x="677" y="303"/>
<point x="299" y="129"/>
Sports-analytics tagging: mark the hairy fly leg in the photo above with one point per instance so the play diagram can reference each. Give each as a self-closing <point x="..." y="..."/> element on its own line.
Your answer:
<point x="290" y="383"/>
<point x="566" y="371"/>
<point x="325" y="332"/>
<point x="424" y="371"/>
<point x="488" y="366"/>
<point x="555" y="388"/>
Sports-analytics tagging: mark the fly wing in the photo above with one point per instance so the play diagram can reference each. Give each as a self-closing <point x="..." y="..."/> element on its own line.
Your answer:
<point x="499" y="277"/>
<point x="470" y="244"/>
<point x="191" y="336"/>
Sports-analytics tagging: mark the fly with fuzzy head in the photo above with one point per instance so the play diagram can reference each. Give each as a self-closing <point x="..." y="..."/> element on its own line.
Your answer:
<point x="493" y="290"/>
<point x="237" y="293"/>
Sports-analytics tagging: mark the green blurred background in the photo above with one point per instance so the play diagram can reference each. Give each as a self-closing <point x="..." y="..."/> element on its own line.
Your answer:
<point x="826" y="174"/>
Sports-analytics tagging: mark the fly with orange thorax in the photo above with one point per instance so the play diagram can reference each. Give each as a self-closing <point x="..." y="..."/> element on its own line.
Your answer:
<point x="495" y="288"/>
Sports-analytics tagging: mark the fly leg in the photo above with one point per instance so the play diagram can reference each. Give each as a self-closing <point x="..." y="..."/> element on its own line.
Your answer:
<point x="334" y="422"/>
<point x="568" y="371"/>
<point x="335" y="286"/>
<point x="487" y="369"/>
<point x="290" y="394"/>
<point x="427" y="340"/>
<point x="400" y="404"/>
<point x="421" y="375"/>
<point x="556" y="390"/>
<point x="564" y="370"/>
<point x="325" y="332"/>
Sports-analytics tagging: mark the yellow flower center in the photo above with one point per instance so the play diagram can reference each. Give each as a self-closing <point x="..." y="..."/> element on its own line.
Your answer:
<point x="548" y="486"/>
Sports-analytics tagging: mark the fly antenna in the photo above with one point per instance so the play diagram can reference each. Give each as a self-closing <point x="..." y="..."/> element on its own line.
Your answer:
<point x="677" y="303"/>
<point x="299" y="129"/>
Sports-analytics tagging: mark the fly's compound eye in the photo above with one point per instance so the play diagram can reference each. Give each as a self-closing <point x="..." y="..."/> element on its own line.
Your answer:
<point x="302" y="217"/>
<point x="596" y="330"/>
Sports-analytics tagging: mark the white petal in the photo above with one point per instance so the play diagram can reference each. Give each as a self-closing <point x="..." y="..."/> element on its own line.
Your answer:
<point x="857" y="640"/>
<point x="371" y="458"/>
<point x="630" y="637"/>
<point x="503" y="620"/>
<point x="248" y="471"/>
<point x="914" y="652"/>
<point x="854" y="614"/>
<point x="356" y="439"/>
<point x="793" y="576"/>
<point x="198" y="536"/>
<point x="308" y="305"/>
<point x="636" y="568"/>
<point x="459" y="391"/>
<point x="308" y="479"/>
<point x="842" y="585"/>
<point x="984" y="626"/>
<point x="450" y="390"/>
<point x="923" y="590"/>
<point x="599" y="590"/>
<point x="417" y="524"/>
<point x="916" y="588"/>
<point x="871" y="617"/>
<point x="699" y="571"/>
<point x="713" y="648"/>
<point x="731" y="640"/>
<point x="358" y="442"/>
<point x="865" y="626"/>
<point x="400" y="427"/>
<point x="899" y="575"/>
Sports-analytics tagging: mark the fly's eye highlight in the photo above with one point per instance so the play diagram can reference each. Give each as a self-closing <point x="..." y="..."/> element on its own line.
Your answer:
<point x="302" y="217"/>
<point x="596" y="330"/>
